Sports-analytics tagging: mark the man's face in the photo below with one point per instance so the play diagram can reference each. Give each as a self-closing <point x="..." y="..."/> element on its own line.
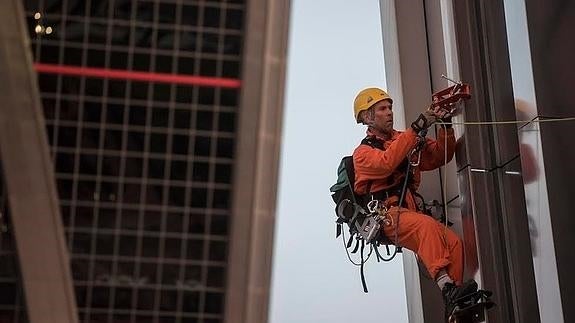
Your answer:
<point x="383" y="116"/>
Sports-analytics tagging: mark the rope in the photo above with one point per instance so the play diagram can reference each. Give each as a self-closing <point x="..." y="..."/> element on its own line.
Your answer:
<point x="483" y="123"/>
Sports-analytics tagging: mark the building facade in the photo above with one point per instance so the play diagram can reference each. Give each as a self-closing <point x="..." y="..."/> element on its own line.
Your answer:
<point x="155" y="116"/>
<point x="509" y="188"/>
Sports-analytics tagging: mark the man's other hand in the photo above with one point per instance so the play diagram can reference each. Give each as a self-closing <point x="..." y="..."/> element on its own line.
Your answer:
<point x="424" y="121"/>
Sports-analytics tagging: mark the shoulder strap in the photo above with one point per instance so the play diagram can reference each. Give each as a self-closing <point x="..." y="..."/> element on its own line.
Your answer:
<point x="373" y="142"/>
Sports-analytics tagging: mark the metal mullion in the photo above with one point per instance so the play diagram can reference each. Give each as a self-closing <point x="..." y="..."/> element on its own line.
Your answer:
<point x="76" y="169"/>
<point x="119" y="180"/>
<point x="221" y="160"/>
<point x="195" y="104"/>
<point x="96" y="99"/>
<point x="163" y="210"/>
<point x="139" y="50"/>
<point x="202" y="295"/>
<point x="155" y="234"/>
<point x="143" y="128"/>
<point x="136" y="260"/>
<point x="213" y="158"/>
<point x="151" y="181"/>
<point x="173" y="262"/>
<point x="135" y="207"/>
<point x="185" y="223"/>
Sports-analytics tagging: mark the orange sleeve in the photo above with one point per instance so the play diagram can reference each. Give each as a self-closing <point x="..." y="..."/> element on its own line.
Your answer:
<point x="373" y="163"/>
<point x="434" y="153"/>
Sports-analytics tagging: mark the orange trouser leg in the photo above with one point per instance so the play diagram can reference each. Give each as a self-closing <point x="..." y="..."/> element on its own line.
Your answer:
<point x="437" y="247"/>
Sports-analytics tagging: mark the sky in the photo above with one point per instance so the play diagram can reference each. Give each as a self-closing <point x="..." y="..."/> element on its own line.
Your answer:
<point x="335" y="50"/>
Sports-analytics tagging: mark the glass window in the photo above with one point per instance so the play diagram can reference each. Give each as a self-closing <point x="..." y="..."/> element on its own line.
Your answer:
<point x="178" y="170"/>
<point x="138" y="115"/>
<point x="195" y="249"/>
<point x="128" y="245"/>
<point x="218" y="251"/>
<point x="87" y="191"/>
<point x="92" y="111"/>
<point x="163" y="91"/>
<point x="216" y="277"/>
<point x="191" y="301"/>
<point x="111" y="165"/>
<point x="64" y="163"/>
<point x="96" y="58"/>
<point x="50" y="54"/>
<point x="204" y="120"/>
<point x="214" y="302"/>
<point x="88" y="164"/>
<point x="90" y="138"/>
<point x="113" y="139"/>
<point x="180" y="144"/>
<point x="104" y="244"/>
<point x="134" y="167"/>
<point x="206" y="95"/>
<point x="130" y="219"/>
<point x="190" y="15"/>
<point x="156" y="168"/>
<point x="227" y="122"/>
<point x="116" y="88"/>
<point x="73" y="56"/>
<point x="197" y="223"/>
<point x="219" y="225"/>
<point x="136" y="141"/>
<point x="202" y="147"/>
<point x="198" y="197"/>
<point x="177" y="196"/>
<point x="211" y="17"/>
<point x="160" y="116"/>
<point x="225" y="148"/>
<point x="223" y="173"/>
<point x="175" y="222"/>
<point x="221" y="199"/>
<point x="107" y="218"/>
<point x="154" y="194"/>
<point x="158" y="142"/>
<point x="150" y="248"/>
<point x="201" y="171"/>
<point x="94" y="87"/>
<point x="131" y="193"/>
<point x="234" y="19"/>
<point x="167" y="13"/>
<point x="182" y="119"/>
<point x="164" y="65"/>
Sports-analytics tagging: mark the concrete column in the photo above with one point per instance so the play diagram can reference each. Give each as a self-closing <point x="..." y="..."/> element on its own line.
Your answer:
<point x="257" y="161"/>
<point x="38" y="230"/>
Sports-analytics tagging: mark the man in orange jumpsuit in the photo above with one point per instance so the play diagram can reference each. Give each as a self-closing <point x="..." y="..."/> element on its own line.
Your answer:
<point x="380" y="173"/>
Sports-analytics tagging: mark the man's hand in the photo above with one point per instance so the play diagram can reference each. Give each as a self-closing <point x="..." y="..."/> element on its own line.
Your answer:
<point x="444" y="115"/>
<point x="424" y="121"/>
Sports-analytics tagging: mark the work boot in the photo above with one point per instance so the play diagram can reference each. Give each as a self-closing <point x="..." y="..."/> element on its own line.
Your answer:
<point x="451" y="292"/>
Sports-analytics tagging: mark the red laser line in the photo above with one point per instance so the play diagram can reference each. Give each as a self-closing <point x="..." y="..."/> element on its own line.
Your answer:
<point x="137" y="76"/>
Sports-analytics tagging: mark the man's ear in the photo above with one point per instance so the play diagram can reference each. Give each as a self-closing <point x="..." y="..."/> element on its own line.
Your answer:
<point x="367" y="117"/>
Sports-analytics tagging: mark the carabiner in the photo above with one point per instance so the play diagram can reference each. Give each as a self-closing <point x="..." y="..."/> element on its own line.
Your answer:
<point x="415" y="164"/>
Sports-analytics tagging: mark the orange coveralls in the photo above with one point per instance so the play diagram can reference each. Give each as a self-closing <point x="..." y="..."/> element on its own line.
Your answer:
<point x="437" y="246"/>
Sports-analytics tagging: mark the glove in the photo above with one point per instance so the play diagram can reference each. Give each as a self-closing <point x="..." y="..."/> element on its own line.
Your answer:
<point x="424" y="121"/>
<point x="445" y="116"/>
<point x="446" y="123"/>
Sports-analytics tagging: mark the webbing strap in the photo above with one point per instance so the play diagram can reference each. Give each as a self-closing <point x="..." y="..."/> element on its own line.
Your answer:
<point x="361" y="268"/>
<point x="349" y="241"/>
<point x="357" y="246"/>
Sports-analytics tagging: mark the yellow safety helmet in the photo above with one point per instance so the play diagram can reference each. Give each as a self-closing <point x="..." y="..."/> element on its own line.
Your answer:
<point x="366" y="98"/>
